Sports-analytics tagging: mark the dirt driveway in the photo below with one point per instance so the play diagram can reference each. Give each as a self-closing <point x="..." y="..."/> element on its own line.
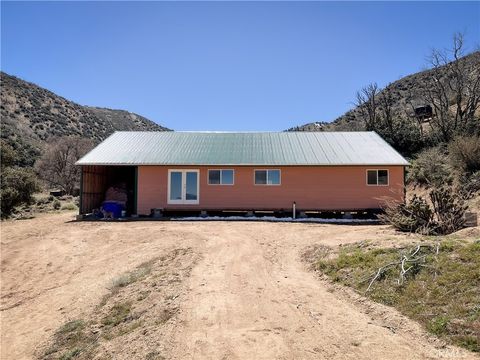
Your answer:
<point x="250" y="296"/>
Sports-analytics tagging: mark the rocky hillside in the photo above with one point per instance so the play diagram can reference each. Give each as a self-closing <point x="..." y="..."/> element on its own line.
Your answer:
<point x="405" y="93"/>
<point x="32" y="115"/>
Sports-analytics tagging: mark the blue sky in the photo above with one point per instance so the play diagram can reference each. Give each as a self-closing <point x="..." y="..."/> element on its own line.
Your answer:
<point x="225" y="65"/>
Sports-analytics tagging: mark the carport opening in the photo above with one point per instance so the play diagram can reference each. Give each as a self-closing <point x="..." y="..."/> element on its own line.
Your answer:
<point x="96" y="180"/>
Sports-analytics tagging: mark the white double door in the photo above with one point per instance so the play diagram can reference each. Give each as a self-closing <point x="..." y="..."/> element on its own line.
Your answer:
<point x="183" y="186"/>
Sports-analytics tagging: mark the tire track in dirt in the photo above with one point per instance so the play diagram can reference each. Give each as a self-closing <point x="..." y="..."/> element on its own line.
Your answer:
<point x="252" y="298"/>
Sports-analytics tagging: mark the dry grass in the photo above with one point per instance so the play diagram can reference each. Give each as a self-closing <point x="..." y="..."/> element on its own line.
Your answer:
<point x="443" y="294"/>
<point x="136" y="301"/>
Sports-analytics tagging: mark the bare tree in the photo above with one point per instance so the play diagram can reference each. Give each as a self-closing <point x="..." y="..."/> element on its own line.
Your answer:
<point x="57" y="164"/>
<point x="386" y="101"/>
<point x="453" y="90"/>
<point x="368" y="105"/>
<point x="376" y="107"/>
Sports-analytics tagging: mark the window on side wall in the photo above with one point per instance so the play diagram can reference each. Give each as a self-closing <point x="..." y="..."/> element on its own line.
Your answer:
<point x="377" y="177"/>
<point x="220" y="177"/>
<point x="267" y="177"/>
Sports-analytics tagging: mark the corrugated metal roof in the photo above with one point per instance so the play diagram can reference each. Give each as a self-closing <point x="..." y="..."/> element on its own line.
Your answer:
<point x="243" y="148"/>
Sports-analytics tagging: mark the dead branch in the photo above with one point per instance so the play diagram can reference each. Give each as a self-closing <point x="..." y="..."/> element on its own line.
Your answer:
<point x="406" y="264"/>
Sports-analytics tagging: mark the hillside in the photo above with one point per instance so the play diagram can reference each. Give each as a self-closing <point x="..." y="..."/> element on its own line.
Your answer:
<point x="32" y="115"/>
<point x="405" y="94"/>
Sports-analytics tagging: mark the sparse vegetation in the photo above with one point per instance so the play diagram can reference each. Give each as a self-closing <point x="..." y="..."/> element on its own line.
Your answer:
<point x="154" y="355"/>
<point x="56" y="204"/>
<point x="126" y="279"/>
<point x="440" y="289"/>
<point x="117" y="314"/>
<point x="32" y="116"/>
<point x="121" y="312"/>
<point x="443" y="213"/>
<point x="451" y="88"/>
<point x="72" y="336"/>
<point x="430" y="168"/>
<point x="464" y="154"/>
<point x="69" y="206"/>
<point x="57" y="164"/>
<point x="17" y="184"/>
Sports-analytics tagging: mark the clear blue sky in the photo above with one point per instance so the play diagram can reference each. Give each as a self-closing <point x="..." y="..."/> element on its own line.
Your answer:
<point x="225" y="65"/>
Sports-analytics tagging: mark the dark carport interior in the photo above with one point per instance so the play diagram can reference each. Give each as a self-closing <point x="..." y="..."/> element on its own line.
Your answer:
<point x="98" y="179"/>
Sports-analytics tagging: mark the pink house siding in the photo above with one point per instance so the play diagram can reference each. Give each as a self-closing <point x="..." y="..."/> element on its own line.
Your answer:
<point x="311" y="187"/>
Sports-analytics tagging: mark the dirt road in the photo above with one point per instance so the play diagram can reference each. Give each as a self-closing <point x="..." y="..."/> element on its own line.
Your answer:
<point x="250" y="296"/>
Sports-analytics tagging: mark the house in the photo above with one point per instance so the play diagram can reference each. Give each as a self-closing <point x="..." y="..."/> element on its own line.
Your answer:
<point x="248" y="171"/>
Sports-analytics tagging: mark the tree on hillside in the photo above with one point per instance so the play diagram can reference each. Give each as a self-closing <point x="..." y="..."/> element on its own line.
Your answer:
<point x="57" y="165"/>
<point x="453" y="91"/>
<point x="367" y="103"/>
<point x="376" y="109"/>
<point x="17" y="184"/>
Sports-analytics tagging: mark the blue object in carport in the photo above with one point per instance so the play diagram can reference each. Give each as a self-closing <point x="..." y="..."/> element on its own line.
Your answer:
<point x="113" y="207"/>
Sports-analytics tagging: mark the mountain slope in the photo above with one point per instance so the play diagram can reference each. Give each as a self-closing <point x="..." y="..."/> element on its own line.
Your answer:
<point x="32" y="115"/>
<point x="405" y="93"/>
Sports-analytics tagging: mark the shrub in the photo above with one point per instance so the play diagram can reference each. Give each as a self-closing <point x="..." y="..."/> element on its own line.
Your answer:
<point x="449" y="209"/>
<point x="430" y="168"/>
<point x="17" y="188"/>
<point x="69" y="206"/>
<point x="56" y="204"/>
<point x="444" y="216"/>
<point x="471" y="184"/>
<point x="464" y="153"/>
<point x="413" y="216"/>
<point x="119" y="313"/>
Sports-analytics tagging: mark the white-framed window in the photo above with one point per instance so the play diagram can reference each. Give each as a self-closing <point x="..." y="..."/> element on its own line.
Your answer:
<point x="377" y="177"/>
<point x="267" y="177"/>
<point x="221" y="177"/>
<point x="183" y="186"/>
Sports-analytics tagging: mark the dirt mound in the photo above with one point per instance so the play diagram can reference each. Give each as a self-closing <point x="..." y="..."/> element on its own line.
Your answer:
<point x="134" y="320"/>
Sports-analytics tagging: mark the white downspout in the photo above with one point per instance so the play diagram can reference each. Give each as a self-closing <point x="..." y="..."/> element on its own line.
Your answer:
<point x="294" y="210"/>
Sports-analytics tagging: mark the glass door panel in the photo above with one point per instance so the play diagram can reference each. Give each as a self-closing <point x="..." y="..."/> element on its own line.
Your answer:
<point x="191" y="182"/>
<point x="183" y="187"/>
<point x="176" y="186"/>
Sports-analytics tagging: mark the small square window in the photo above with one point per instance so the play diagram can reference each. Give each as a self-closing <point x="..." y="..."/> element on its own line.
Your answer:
<point x="273" y="177"/>
<point x="214" y="177"/>
<point x="260" y="177"/>
<point x="227" y="177"/>
<point x="382" y="177"/>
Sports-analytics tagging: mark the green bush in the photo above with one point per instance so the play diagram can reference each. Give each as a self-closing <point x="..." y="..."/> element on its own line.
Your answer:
<point x="430" y="168"/>
<point x="404" y="136"/>
<point x="17" y="188"/>
<point x="57" y="204"/>
<point x="69" y="206"/>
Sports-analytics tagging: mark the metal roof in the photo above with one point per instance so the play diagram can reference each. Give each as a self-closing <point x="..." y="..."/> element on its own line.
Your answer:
<point x="243" y="148"/>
